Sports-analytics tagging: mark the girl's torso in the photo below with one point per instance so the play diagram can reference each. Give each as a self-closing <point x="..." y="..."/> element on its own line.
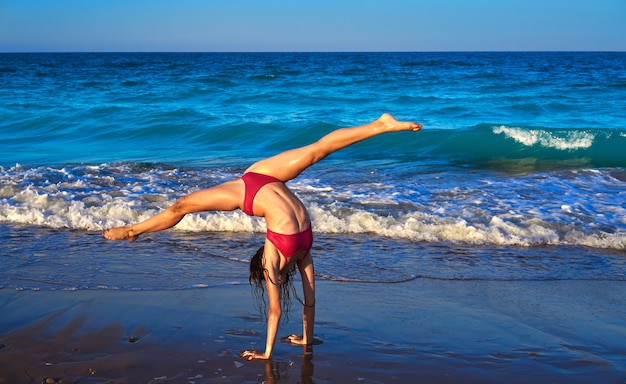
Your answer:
<point x="283" y="211"/>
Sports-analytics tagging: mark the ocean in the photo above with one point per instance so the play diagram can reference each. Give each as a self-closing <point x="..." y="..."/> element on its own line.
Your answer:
<point x="518" y="174"/>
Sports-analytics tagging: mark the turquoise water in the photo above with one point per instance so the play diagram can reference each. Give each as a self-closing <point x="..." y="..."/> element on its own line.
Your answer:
<point x="519" y="172"/>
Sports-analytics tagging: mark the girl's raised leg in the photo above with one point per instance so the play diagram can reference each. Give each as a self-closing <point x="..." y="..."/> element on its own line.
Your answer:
<point x="288" y="165"/>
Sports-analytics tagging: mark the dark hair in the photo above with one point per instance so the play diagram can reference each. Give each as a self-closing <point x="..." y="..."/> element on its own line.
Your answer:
<point x="257" y="276"/>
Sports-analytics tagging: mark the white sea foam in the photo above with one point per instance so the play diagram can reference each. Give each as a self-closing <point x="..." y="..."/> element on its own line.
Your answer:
<point x="529" y="137"/>
<point x="578" y="207"/>
<point x="45" y="210"/>
<point x="57" y="211"/>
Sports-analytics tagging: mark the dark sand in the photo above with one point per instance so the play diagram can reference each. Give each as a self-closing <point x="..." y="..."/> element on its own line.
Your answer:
<point x="422" y="331"/>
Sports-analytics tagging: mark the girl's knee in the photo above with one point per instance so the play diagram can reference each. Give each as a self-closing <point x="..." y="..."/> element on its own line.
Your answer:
<point x="318" y="151"/>
<point x="181" y="206"/>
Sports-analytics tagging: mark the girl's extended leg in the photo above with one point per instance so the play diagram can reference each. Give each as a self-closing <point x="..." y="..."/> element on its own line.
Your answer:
<point x="288" y="165"/>
<point x="224" y="197"/>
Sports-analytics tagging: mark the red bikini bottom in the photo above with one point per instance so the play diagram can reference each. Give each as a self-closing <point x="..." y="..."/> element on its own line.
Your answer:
<point x="291" y="244"/>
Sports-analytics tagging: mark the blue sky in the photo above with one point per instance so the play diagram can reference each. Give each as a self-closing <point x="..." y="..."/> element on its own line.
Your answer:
<point x="320" y="25"/>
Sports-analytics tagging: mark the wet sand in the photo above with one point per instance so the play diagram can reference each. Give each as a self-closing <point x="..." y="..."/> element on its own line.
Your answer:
<point x="421" y="331"/>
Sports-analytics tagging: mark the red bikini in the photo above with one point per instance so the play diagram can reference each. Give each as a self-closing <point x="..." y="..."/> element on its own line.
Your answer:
<point x="289" y="244"/>
<point x="254" y="182"/>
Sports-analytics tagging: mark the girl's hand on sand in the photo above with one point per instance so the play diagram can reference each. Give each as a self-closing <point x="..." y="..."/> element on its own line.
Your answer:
<point x="296" y="339"/>
<point x="251" y="355"/>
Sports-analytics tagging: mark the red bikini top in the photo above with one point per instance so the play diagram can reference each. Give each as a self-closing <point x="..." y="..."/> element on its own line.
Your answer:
<point x="253" y="182"/>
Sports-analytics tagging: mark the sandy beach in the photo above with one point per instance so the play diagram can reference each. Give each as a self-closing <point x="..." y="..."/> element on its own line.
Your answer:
<point x="422" y="331"/>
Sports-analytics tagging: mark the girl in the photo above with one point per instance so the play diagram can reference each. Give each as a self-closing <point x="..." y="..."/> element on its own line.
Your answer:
<point x="261" y="191"/>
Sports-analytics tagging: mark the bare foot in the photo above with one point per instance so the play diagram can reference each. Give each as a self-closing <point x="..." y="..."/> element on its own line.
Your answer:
<point x="390" y="124"/>
<point x="120" y="233"/>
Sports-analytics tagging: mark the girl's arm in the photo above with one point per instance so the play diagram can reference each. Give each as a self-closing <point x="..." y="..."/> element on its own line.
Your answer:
<point x="273" y="313"/>
<point x="308" y="309"/>
<point x="272" y="287"/>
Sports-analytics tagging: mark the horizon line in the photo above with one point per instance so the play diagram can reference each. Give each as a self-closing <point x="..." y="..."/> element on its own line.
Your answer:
<point x="330" y="51"/>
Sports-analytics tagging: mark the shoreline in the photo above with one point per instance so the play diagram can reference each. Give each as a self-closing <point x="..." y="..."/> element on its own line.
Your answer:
<point x="437" y="331"/>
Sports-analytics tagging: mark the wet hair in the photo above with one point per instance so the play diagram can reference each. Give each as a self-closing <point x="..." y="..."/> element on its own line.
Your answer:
<point x="257" y="277"/>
